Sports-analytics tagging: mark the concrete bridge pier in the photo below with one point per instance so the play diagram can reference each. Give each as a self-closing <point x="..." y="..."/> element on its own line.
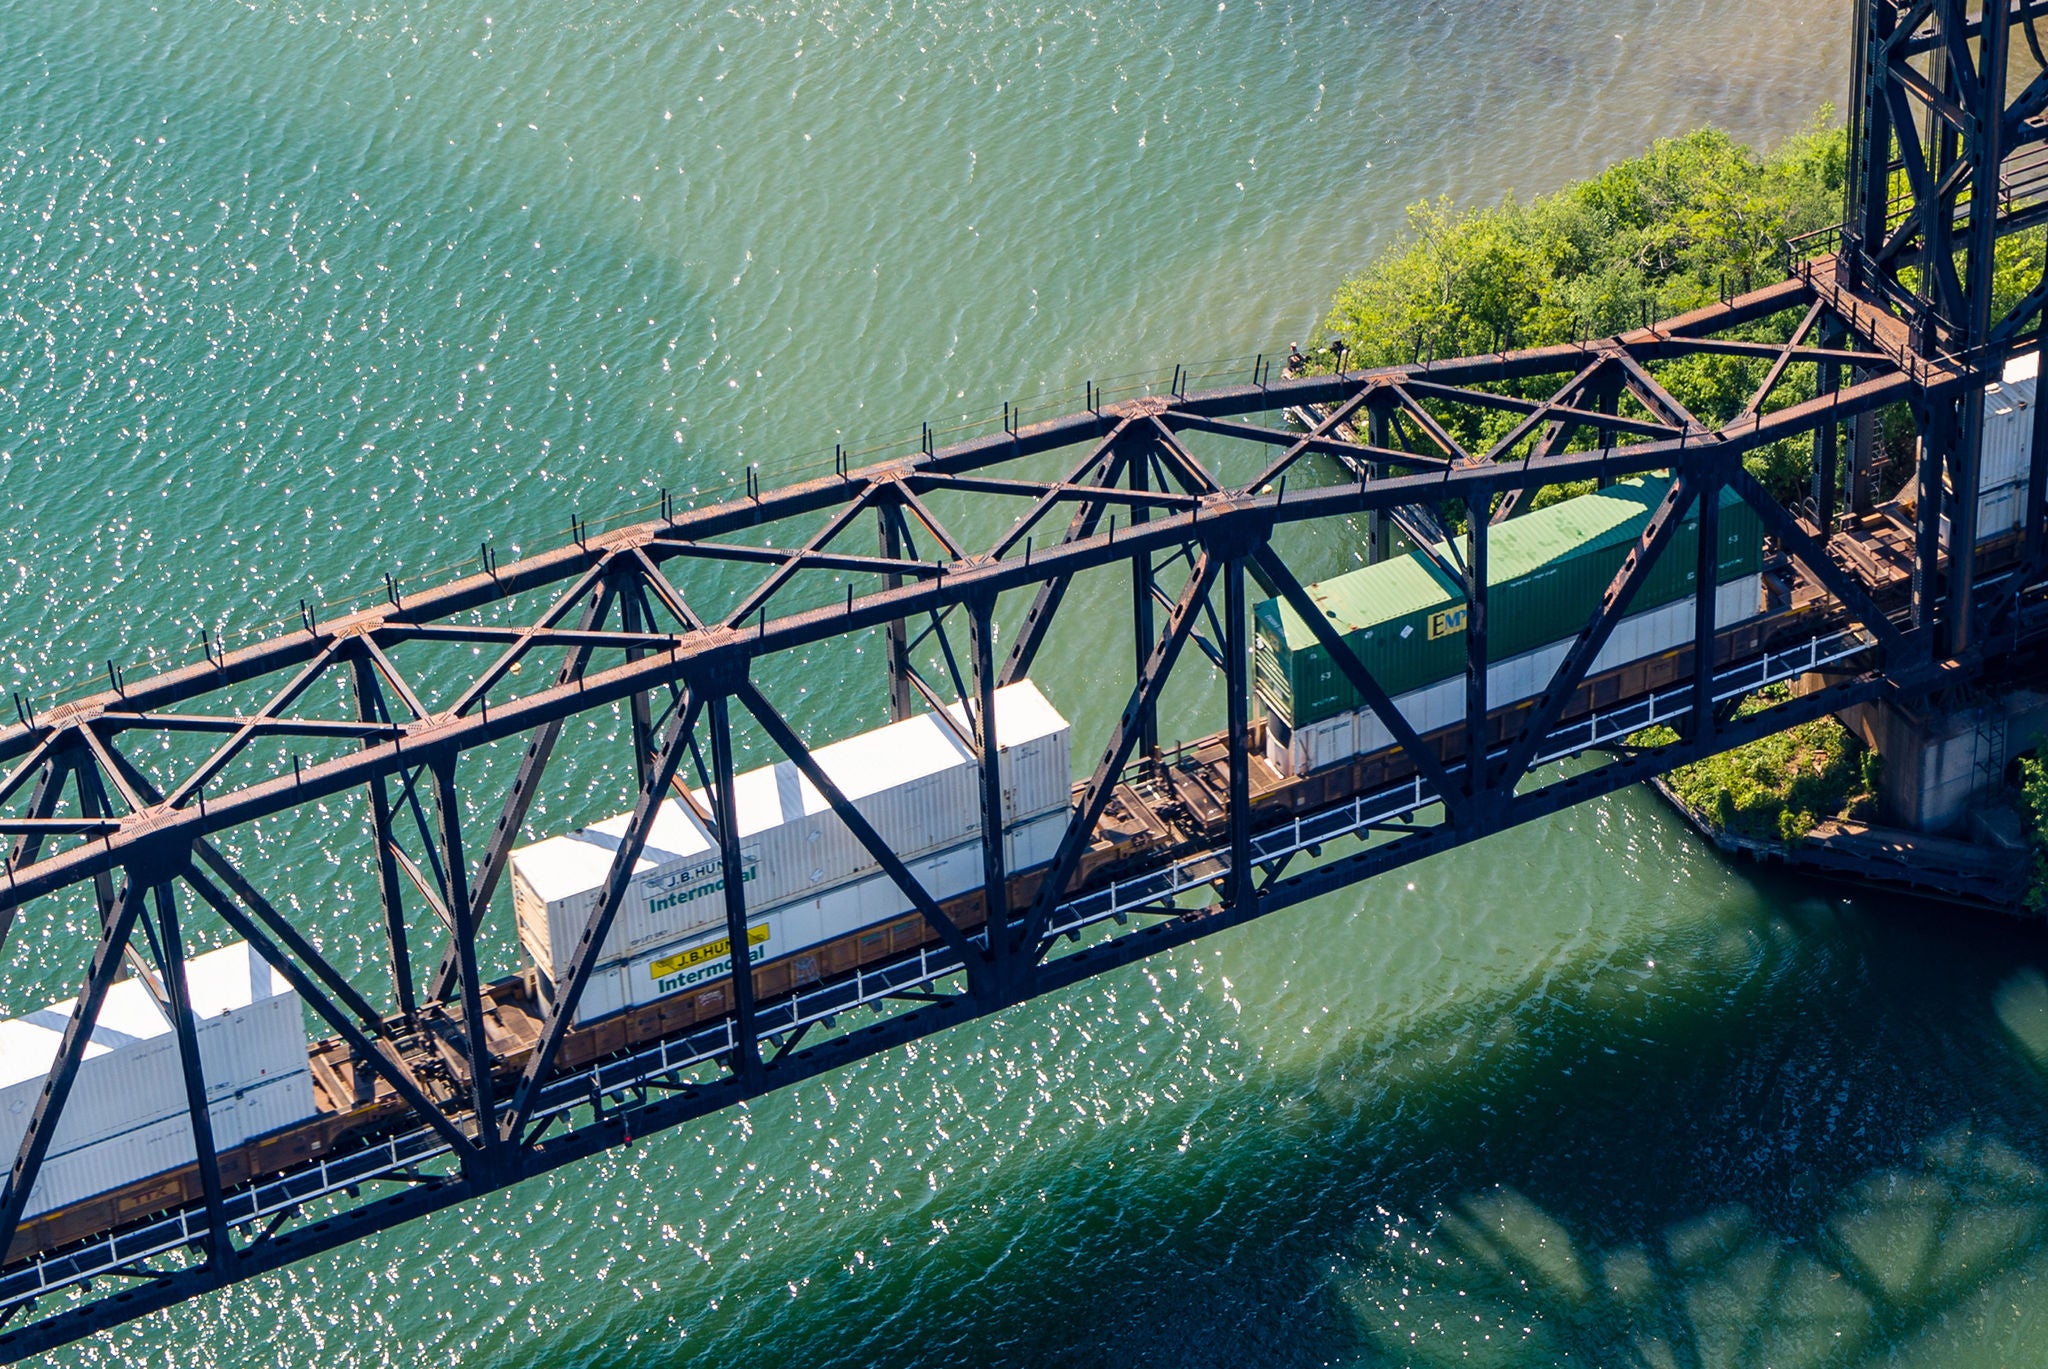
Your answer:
<point x="1944" y="765"/>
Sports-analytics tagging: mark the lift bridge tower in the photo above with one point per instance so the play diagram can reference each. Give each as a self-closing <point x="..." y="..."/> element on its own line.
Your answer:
<point x="362" y="746"/>
<point x="1948" y="155"/>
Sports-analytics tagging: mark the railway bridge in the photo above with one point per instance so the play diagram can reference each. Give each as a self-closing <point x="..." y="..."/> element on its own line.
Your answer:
<point x="646" y="656"/>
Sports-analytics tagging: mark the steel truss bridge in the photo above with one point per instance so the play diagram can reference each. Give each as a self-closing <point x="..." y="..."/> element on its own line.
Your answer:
<point x="364" y="732"/>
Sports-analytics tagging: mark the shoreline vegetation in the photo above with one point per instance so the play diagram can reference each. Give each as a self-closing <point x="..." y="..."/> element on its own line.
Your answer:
<point x="1692" y="220"/>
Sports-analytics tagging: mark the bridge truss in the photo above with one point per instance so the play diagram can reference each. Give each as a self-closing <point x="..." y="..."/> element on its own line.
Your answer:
<point x="671" y="643"/>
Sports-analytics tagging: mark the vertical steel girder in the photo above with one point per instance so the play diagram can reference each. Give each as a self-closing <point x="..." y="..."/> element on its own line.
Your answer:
<point x="1705" y="601"/>
<point x="170" y="944"/>
<point x="1237" y="730"/>
<point x="900" y="706"/>
<point x="370" y="706"/>
<point x="475" y="1034"/>
<point x="1478" y="513"/>
<point x="746" y="1055"/>
<point x="995" y="879"/>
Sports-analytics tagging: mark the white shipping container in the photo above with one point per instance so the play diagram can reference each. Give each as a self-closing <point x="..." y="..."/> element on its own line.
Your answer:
<point x="675" y="889"/>
<point x="1999" y="511"/>
<point x="2008" y="441"/>
<point x="251" y="1029"/>
<point x="1442" y="705"/>
<point x="158" y="1147"/>
<point x="915" y="782"/>
<point x="809" y="922"/>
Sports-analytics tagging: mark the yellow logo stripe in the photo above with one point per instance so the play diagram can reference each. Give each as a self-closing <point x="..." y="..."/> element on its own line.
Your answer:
<point x="710" y="950"/>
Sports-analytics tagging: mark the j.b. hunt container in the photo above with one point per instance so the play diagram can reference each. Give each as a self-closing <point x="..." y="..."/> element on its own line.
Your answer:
<point x="842" y="911"/>
<point x="125" y="1117"/>
<point x="1405" y="619"/>
<point x="915" y="782"/>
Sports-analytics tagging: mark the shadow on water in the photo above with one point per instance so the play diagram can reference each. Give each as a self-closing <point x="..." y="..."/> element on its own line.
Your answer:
<point x="1797" y="1137"/>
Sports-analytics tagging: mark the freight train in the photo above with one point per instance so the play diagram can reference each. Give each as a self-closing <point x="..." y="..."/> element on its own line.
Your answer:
<point x="818" y="906"/>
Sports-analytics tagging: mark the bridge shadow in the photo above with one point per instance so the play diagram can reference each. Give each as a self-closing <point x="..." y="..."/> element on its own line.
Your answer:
<point x="1823" y="1151"/>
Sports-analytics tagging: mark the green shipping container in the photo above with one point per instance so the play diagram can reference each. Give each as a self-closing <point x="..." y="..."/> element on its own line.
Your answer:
<point x="1546" y="573"/>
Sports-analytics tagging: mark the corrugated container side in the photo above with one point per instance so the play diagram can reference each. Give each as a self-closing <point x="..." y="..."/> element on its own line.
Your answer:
<point x="132" y="1074"/>
<point x="1035" y="744"/>
<point x="266" y="1040"/>
<point x="1550" y="570"/>
<point x="805" y="923"/>
<point x="2009" y="424"/>
<point x="1031" y="844"/>
<point x="160" y="1146"/>
<point x="913" y="781"/>
<point x="1441" y="705"/>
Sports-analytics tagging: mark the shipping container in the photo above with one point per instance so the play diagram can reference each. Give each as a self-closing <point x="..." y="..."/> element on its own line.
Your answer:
<point x="160" y="1146"/>
<point x="915" y="782"/>
<point x="2009" y="424"/>
<point x="1297" y="751"/>
<point x="808" y="922"/>
<point x="1547" y="572"/>
<point x="251" y="1030"/>
<point x="2005" y="453"/>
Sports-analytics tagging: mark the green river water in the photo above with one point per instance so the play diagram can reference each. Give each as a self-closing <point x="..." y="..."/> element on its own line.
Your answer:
<point x="299" y="293"/>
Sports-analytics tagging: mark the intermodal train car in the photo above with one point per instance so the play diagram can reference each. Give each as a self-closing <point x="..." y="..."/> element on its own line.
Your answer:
<point x="1405" y="618"/>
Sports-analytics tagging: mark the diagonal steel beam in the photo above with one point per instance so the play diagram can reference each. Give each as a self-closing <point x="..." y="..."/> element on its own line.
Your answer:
<point x="1045" y="602"/>
<point x="1369" y="689"/>
<point x="63" y="1071"/>
<point x="1592" y="638"/>
<point x="375" y="1054"/>
<point x="792" y="746"/>
<point x="787" y="571"/>
<point x="1433" y="430"/>
<point x="598" y="574"/>
<point x="1106" y="451"/>
<point x="232" y="747"/>
<point x="1109" y="772"/>
<point x="533" y="763"/>
<point x="392" y="677"/>
<point x="1329" y="423"/>
<point x="1192" y="475"/>
<point x="1809" y="553"/>
<point x="1784" y="359"/>
<point x="569" y="993"/>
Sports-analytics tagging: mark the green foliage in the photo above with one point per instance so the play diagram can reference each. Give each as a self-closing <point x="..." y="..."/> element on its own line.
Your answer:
<point x="1659" y="234"/>
<point x="1650" y="237"/>
<point x="2034" y="813"/>
<point x="1782" y="786"/>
